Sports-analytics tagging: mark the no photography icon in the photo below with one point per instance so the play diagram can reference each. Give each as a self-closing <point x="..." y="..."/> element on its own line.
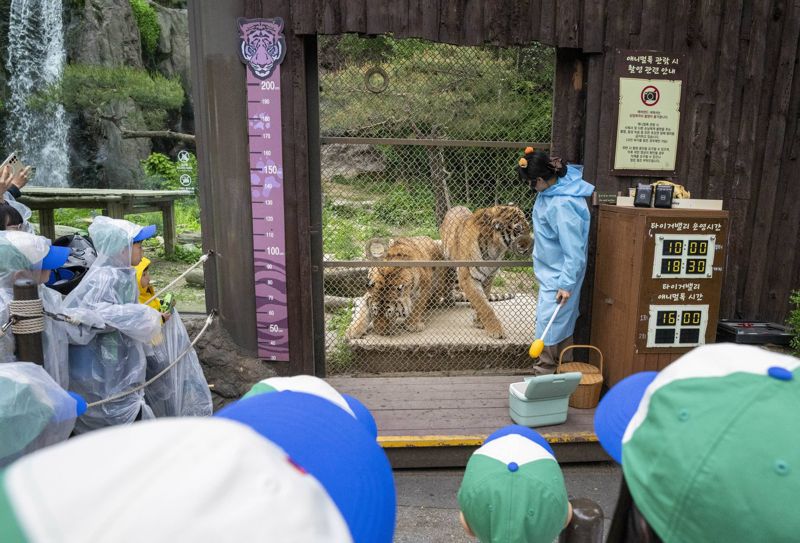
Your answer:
<point x="650" y="96"/>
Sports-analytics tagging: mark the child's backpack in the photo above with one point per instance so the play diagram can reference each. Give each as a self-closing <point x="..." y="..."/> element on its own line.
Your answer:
<point x="82" y="254"/>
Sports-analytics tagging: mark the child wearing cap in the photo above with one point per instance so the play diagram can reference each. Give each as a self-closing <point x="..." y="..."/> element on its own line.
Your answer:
<point x="169" y="480"/>
<point x="709" y="447"/>
<point x="183" y="391"/>
<point x="107" y="358"/>
<point x="26" y="256"/>
<point x="513" y="490"/>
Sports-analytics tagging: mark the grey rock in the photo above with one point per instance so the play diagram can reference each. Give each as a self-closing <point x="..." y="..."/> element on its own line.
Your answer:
<point x="62" y="230"/>
<point x="173" y="47"/>
<point x="190" y="237"/>
<point x="189" y="247"/>
<point x="104" y="32"/>
<point x="196" y="278"/>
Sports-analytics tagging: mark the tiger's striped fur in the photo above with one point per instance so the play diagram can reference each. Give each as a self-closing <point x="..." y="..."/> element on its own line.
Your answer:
<point x="486" y="234"/>
<point x="398" y="298"/>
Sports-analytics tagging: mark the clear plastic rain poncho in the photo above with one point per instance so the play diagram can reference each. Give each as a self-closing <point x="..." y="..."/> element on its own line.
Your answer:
<point x="24" y="210"/>
<point x="35" y="411"/>
<point x="21" y="255"/>
<point x="104" y="363"/>
<point x="183" y="390"/>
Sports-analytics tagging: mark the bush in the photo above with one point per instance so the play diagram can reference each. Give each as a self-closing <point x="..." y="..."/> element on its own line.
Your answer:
<point x="149" y="31"/>
<point x="794" y="321"/>
<point x="166" y="171"/>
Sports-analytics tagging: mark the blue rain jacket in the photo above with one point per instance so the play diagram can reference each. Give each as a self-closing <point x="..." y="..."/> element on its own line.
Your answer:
<point x="561" y="235"/>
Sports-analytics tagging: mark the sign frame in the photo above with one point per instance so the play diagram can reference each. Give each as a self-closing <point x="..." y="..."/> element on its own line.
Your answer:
<point x="621" y="71"/>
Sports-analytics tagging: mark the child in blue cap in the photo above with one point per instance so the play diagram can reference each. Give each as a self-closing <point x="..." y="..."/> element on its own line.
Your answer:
<point x="27" y="256"/>
<point x="107" y="359"/>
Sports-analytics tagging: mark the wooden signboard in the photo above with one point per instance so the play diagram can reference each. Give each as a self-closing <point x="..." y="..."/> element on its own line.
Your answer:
<point x="649" y="100"/>
<point x="657" y="285"/>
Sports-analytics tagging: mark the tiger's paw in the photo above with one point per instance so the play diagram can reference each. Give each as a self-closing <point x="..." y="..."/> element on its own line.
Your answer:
<point x="414" y="326"/>
<point x="354" y="333"/>
<point x="495" y="333"/>
<point x="476" y="322"/>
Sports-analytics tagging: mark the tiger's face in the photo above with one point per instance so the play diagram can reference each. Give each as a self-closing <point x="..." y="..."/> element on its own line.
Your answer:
<point x="390" y="297"/>
<point x="263" y="45"/>
<point x="510" y="228"/>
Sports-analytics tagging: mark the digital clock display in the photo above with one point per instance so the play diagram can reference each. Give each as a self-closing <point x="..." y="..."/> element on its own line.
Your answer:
<point x="683" y="256"/>
<point x="677" y="325"/>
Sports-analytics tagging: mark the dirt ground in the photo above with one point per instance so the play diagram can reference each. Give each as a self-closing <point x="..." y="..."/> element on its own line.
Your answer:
<point x="190" y="299"/>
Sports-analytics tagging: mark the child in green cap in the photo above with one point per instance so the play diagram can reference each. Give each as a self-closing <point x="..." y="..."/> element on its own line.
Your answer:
<point x="513" y="490"/>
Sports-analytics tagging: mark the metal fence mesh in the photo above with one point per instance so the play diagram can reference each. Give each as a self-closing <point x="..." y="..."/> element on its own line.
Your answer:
<point x="411" y="129"/>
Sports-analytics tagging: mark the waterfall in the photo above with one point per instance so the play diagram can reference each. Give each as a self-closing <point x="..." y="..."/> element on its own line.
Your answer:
<point x="36" y="59"/>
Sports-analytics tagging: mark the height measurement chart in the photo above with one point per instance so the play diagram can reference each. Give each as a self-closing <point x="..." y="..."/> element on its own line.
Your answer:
<point x="262" y="50"/>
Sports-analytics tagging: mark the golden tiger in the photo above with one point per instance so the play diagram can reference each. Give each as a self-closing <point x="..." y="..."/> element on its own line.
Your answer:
<point x="399" y="297"/>
<point x="486" y="234"/>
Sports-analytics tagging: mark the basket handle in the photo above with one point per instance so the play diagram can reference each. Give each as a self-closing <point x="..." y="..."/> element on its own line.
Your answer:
<point x="561" y="356"/>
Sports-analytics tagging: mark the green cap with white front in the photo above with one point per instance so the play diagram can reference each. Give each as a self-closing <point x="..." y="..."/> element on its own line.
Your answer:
<point x="710" y="446"/>
<point x="513" y="489"/>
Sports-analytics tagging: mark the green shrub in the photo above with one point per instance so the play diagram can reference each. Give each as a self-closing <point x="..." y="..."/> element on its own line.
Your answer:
<point x="149" y="31"/>
<point x="794" y="321"/>
<point x="168" y="172"/>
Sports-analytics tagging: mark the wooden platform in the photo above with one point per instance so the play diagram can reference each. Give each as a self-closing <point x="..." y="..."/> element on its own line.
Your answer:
<point x="427" y="422"/>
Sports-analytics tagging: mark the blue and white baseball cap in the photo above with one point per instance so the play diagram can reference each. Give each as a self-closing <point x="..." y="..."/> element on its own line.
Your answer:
<point x="166" y="480"/>
<point x="318" y="387"/>
<point x="513" y="490"/>
<point x="146" y="232"/>
<point x="335" y="448"/>
<point x="710" y="446"/>
<point x="24" y="251"/>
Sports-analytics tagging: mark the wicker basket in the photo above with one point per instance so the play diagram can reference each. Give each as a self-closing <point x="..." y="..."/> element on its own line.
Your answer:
<point x="587" y="395"/>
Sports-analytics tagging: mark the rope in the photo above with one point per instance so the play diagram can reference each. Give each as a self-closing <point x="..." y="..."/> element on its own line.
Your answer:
<point x="163" y="372"/>
<point x="181" y="276"/>
<point x="26" y="316"/>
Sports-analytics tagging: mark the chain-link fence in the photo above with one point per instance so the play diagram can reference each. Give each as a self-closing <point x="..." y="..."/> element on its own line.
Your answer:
<point x="410" y="130"/>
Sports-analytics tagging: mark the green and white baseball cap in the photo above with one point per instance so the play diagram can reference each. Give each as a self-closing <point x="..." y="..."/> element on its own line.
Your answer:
<point x="318" y="387"/>
<point x="167" y="480"/>
<point x="710" y="446"/>
<point x="513" y="489"/>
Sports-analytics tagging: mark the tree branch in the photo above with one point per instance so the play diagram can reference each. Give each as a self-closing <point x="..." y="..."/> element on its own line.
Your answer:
<point x="132" y="134"/>
<point x="168" y="134"/>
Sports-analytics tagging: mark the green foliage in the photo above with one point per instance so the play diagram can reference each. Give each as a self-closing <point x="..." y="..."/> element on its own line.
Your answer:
<point x="149" y="31"/>
<point x="402" y="208"/>
<point x="89" y="87"/>
<point x="794" y="322"/>
<point x="167" y="171"/>
<point x="340" y="358"/>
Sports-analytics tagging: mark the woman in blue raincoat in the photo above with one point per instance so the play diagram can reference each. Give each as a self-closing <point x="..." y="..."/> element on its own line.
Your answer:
<point x="561" y="237"/>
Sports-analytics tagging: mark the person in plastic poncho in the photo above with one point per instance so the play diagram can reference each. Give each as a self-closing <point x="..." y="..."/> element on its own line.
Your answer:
<point x="26" y="256"/>
<point x="10" y="186"/>
<point x="561" y="238"/>
<point x="106" y="355"/>
<point x="183" y="391"/>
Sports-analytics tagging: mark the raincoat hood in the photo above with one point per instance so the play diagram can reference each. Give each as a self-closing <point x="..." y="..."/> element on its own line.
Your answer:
<point x="572" y="184"/>
<point x="145" y="293"/>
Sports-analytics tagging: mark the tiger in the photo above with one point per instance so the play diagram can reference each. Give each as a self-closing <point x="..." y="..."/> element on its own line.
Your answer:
<point x="487" y="234"/>
<point x="398" y="298"/>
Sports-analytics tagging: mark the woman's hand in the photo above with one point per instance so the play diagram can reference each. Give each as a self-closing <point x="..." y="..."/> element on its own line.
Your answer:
<point x="5" y="181"/>
<point x="22" y="178"/>
<point x="562" y="296"/>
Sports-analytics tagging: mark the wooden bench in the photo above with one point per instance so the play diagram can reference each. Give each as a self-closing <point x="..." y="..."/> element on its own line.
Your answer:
<point x="114" y="203"/>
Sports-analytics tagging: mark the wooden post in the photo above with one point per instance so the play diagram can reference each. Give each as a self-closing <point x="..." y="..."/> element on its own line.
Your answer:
<point x="28" y="344"/>
<point x="116" y="210"/>
<point x="47" y="223"/>
<point x="168" y="214"/>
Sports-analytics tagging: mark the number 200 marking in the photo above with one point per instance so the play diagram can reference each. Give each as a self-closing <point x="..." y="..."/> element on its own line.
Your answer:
<point x="267" y="85"/>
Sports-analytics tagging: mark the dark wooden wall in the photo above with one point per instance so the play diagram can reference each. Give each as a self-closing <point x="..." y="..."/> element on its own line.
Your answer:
<point x="739" y="139"/>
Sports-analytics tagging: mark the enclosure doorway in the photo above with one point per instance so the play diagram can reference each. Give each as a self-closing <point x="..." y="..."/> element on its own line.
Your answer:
<point x="409" y="129"/>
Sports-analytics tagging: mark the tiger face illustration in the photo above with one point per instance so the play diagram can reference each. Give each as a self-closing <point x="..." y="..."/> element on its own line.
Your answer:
<point x="263" y="46"/>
